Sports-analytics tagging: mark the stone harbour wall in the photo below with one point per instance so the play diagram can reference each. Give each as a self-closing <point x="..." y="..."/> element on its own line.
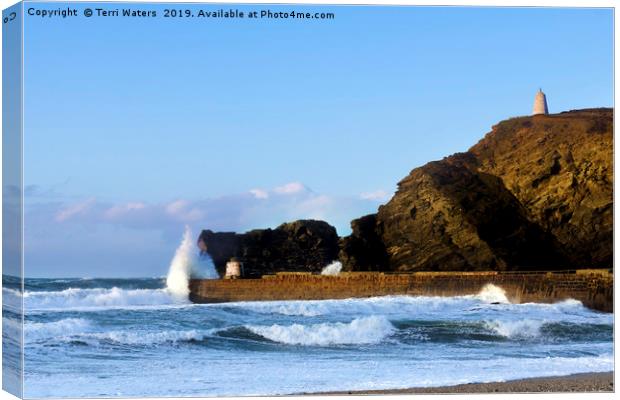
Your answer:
<point x="594" y="288"/>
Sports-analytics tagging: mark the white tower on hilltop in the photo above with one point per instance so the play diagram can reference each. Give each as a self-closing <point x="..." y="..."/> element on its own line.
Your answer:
<point x="540" y="103"/>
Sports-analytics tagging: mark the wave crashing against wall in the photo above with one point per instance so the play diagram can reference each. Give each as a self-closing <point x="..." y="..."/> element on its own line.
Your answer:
<point x="186" y="264"/>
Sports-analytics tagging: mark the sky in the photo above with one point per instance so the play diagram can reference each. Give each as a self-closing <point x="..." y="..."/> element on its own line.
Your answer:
<point x="134" y="128"/>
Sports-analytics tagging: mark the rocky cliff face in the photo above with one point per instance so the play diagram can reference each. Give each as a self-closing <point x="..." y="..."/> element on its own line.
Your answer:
<point x="304" y="246"/>
<point x="560" y="168"/>
<point x="448" y="216"/>
<point x="535" y="193"/>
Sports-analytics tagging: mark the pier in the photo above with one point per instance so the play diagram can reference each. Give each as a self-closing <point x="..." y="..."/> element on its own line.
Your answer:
<point x="593" y="287"/>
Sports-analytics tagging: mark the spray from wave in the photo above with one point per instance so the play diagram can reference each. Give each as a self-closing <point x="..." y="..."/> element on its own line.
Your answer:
<point x="182" y="266"/>
<point x="493" y="294"/>
<point x="185" y="265"/>
<point x="332" y="269"/>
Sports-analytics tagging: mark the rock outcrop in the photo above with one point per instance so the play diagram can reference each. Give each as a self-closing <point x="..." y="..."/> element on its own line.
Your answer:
<point x="363" y="250"/>
<point x="448" y="216"/>
<point x="303" y="246"/>
<point x="560" y="168"/>
<point x="535" y="193"/>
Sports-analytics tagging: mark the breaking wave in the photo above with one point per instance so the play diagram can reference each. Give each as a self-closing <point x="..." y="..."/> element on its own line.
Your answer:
<point x="366" y="330"/>
<point x="516" y="329"/>
<point x="493" y="294"/>
<point x="42" y="330"/>
<point x="84" y="299"/>
<point x="11" y="299"/>
<point x="79" y="330"/>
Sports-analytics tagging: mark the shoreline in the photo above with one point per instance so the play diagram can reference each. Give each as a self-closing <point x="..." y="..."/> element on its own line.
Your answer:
<point x="589" y="382"/>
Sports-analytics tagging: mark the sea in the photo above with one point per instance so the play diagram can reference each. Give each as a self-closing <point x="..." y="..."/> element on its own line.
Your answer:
<point x="88" y="337"/>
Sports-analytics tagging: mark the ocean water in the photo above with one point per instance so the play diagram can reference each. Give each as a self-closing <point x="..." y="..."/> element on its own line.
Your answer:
<point x="133" y="337"/>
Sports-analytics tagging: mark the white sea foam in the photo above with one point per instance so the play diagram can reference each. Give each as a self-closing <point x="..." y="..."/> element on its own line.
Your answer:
<point x="84" y="299"/>
<point x="11" y="299"/>
<point x="388" y="305"/>
<point x="300" y="309"/>
<point x="568" y="305"/>
<point x="289" y="308"/>
<point x="366" y="330"/>
<point x="493" y="294"/>
<point x="425" y="307"/>
<point x="35" y="331"/>
<point x="79" y="329"/>
<point x="526" y="328"/>
<point x="333" y="268"/>
<point x="11" y="329"/>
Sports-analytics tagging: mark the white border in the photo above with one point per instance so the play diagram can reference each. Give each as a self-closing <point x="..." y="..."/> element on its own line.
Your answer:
<point x="484" y="3"/>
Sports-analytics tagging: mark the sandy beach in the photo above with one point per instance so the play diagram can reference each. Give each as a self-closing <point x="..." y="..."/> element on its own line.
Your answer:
<point x="588" y="382"/>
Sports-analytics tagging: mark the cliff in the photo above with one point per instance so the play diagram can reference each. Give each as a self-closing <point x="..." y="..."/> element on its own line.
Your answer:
<point x="534" y="193"/>
<point x="560" y="167"/>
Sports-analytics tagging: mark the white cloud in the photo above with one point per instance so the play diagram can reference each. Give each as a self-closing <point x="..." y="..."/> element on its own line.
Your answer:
<point x="260" y="193"/>
<point x="122" y="209"/>
<point x="184" y="211"/>
<point x="75" y="209"/>
<point x="256" y="208"/>
<point x="193" y="215"/>
<point x="291" y="188"/>
<point x="143" y="233"/>
<point x="176" y="207"/>
<point x="377" y="195"/>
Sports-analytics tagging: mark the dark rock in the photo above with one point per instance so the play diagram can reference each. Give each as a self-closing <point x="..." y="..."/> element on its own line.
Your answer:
<point x="302" y="246"/>
<point x="363" y="250"/>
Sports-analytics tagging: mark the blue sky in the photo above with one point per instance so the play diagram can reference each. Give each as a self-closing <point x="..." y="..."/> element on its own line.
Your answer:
<point x="134" y="128"/>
